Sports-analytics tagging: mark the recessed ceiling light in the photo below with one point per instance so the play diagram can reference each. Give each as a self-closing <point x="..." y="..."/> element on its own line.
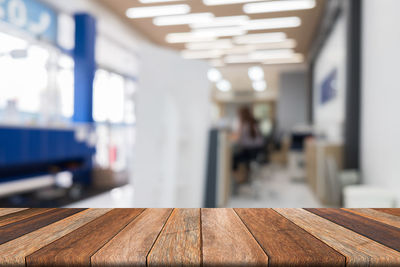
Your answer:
<point x="272" y="54"/>
<point x="220" y="32"/>
<point x="260" y="86"/>
<point x="278" y="6"/>
<point x="224" y="86"/>
<point x="201" y="54"/>
<point x="217" y="44"/>
<point x="183" y="19"/>
<point x="260" y="38"/>
<point x="274" y="23"/>
<point x="227" y="2"/>
<point x="256" y="73"/>
<point x="155" y="11"/>
<point x="157" y="1"/>
<point x="221" y="22"/>
<point x="214" y="75"/>
<point x="185" y="37"/>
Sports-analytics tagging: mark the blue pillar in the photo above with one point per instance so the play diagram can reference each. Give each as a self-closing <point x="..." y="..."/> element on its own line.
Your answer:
<point x="85" y="67"/>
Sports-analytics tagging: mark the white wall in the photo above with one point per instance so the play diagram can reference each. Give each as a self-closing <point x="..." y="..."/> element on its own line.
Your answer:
<point x="380" y="150"/>
<point x="329" y="117"/>
<point x="173" y="119"/>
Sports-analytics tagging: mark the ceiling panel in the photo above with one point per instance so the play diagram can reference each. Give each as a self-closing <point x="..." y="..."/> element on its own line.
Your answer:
<point x="303" y="34"/>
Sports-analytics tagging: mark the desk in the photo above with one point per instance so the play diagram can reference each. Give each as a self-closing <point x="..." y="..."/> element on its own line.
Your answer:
<point x="194" y="237"/>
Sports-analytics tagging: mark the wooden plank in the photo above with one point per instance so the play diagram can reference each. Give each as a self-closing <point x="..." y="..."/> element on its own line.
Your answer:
<point x="4" y="211"/>
<point x="227" y="241"/>
<point x="395" y="212"/>
<point x="378" y="216"/>
<point x="14" y="230"/>
<point x="179" y="243"/>
<point x="13" y="253"/>
<point x="385" y="234"/>
<point x="285" y="243"/>
<point x="359" y="250"/>
<point x="76" y="248"/>
<point x="21" y="215"/>
<point x="131" y="246"/>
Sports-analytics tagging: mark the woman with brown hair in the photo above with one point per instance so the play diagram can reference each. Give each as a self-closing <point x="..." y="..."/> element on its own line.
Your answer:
<point x="248" y="142"/>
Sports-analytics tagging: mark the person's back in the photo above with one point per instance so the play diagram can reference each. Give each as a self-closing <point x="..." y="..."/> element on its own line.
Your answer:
<point x="250" y="137"/>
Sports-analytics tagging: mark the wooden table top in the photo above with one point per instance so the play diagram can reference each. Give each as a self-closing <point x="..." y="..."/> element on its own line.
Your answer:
<point x="194" y="237"/>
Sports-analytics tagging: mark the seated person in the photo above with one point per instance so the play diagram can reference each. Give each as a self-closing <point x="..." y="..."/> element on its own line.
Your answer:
<point x="248" y="142"/>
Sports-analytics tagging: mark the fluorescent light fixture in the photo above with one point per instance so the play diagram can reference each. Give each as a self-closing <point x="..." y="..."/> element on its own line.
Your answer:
<point x="274" y="23"/>
<point x="272" y="54"/>
<point x="214" y="75"/>
<point x="278" y="6"/>
<point x="155" y="11"/>
<point x="260" y="86"/>
<point x="244" y="49"/>
<point x="289" y="43"/>
<point x="183" y="19"/>
<point x="216" y="62"/>
<point x="185" y="37"/>
<point x="296" y="58"/>
<point x="221" y="22"/>
<point x="231" y="59"/>
<point x="201" y="54"/>
<point x="226" y="2"/>
<point x="259" y="38"/>
<point x="220" y="32"/>
<point x="217" y="44"/>
<point x="224" y="86"/>
<point x="256" y="73"/>
<point x="157" y="1"/>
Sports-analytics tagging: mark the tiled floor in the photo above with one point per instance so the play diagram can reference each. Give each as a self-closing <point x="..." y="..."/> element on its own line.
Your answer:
<point x="275" y="189"/>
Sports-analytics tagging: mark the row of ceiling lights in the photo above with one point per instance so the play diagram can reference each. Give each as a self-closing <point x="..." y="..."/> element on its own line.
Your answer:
<point x="256" y="75"/>
<point x="203" y="42"/>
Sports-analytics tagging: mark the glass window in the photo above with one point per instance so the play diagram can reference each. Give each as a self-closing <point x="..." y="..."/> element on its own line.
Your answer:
<point x="17" y="59"/>
<point x="108" y="97"/>
<point x="65" y="85"/>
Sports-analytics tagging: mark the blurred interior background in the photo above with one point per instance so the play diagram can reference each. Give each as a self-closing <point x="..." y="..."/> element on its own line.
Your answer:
<point x="199" y="103"/>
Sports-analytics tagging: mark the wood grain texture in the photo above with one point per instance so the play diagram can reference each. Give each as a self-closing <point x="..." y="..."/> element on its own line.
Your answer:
<point x="179" y="243"/>
<point x="285" y="243"/>
<point x="13" y="253"/>
<point x="4" y="211"/>
<point x="378" y="216"/>
<point x="132" y="244"/>
<point x="76" y="248"/>
<point x="395" y="212"/>
<point x="359" y="250"/>
<point x="21" y="215"/>
<point x="385" y="234"/>
<point x="227" y="241"/>
<point x="14" y="230"/>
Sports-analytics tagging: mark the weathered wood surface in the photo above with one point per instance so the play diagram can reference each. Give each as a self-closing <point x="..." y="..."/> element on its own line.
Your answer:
<point x="179" y="242"/>
<point x="285" y="243"/>
<point x="380" y="232"/>
<point x="382" y="217"/>
<point x="358" y="250"/>
<point x="227" y="241"/>
<point x="199" y="237"/>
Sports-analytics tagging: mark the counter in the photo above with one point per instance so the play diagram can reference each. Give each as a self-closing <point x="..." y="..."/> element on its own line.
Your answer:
<point x="195" y="237"/>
